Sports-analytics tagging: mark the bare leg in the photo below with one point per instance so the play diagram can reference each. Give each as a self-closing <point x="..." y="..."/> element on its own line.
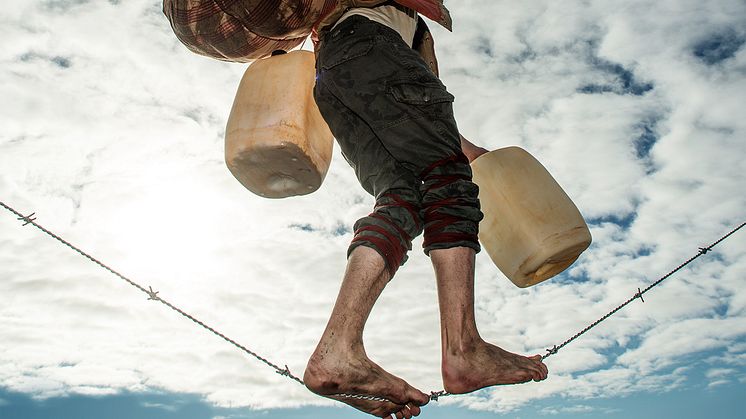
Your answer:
<point x="339" y="363"/>
<point x="468" y="362"/>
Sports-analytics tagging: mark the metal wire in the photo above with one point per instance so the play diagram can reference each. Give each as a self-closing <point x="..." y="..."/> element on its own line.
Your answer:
<point x="362" y="397"/>
<point x="434" y="396"/>
<point x="152" y="295"/>
<point x="639" y="294"/>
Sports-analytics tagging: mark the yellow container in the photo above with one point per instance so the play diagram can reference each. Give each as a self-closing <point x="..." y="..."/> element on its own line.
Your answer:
<point x="276" y="142"/>
<point x="531" y="229"/>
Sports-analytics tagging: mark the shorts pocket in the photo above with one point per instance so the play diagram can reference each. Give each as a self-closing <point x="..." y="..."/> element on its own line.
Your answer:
<point x="420" y="94"/>
<point x="429" y="102"/>
<point x="346" y="51"/>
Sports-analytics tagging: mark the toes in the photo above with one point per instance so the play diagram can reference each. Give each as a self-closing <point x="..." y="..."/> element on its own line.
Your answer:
<point x="542" y="366"/>
<point x="420" y="399"/>
<point x="539" y="372"/>
<point x="407" y="412"/>
<point x="386" y="410"/>
<point x="535" y="375"/>
<point x="527" y="369"/>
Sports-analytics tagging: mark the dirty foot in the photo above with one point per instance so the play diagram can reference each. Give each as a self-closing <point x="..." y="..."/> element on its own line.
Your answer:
<point x="481" y="365"/>
<point x="358" y="375"/>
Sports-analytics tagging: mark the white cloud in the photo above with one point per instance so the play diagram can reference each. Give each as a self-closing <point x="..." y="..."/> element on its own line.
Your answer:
<point x="112" y="133"/>
<point x="162" y="406"/>
<point x="720" y="376"/>
<point x="717" y="383"/>
<point x="719" y="372"/>
<point x="580" y="408"/>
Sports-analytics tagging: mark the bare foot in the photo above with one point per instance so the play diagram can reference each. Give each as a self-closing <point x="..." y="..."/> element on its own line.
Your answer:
<point x="481" y="365"/>
<point x="330" y="375"/>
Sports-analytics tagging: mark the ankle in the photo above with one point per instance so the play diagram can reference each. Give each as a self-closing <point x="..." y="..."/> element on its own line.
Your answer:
<point x="459" y="346"/>
<point x="338" y="347"/>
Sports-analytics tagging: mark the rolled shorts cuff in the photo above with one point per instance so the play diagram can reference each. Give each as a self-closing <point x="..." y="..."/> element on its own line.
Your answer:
<point x="465" y="243"/>
<point x="388" y="261"/>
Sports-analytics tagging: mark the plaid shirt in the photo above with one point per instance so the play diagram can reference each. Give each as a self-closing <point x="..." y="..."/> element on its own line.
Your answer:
<point x="244" y="30"/>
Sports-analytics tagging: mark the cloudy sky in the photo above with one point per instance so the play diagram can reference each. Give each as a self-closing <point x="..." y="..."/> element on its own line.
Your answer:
<point x="112" y="132"/>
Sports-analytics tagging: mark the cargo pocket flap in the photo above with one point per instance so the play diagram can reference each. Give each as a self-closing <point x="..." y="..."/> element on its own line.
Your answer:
<point x="420" y="93"/>
<point x="348" y="52"/>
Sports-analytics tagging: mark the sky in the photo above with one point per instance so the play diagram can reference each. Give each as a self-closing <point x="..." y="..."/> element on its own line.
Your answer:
<point x="113" y="135"/>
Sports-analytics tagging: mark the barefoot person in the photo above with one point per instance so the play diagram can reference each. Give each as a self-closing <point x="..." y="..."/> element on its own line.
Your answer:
<point x="393" y="120"/>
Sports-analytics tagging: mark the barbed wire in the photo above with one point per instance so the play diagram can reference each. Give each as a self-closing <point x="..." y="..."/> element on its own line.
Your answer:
<point x="152" y="295"/>
<point x="639" y="294"/>
<point x="434" y="396"/>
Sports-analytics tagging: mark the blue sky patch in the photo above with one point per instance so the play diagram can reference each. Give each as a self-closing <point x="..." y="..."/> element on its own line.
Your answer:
<point x="303" y="227"/>
<point x="647" y="139"/>
<point x="624" y="80"/>
<point x="691" y="402"/>
<point x="719" y="47"/>
<point x="59" y="61"/>
<point x="624" y="221"/>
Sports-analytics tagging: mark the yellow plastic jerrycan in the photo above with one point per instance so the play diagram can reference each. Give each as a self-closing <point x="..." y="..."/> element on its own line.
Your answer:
<point x="531" y="229"/>
<point x="276" y="142"/>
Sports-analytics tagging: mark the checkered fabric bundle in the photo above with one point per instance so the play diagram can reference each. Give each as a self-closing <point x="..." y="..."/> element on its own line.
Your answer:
<point x="244" y="30"/>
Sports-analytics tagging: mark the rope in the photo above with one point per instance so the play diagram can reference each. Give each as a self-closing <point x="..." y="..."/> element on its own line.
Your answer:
<point x="434" y="396"/>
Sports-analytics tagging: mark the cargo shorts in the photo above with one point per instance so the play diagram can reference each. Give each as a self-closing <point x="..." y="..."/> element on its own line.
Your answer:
<point x="393" y="120"/>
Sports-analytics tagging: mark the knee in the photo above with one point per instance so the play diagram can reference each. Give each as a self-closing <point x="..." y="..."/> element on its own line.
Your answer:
<point x="390" y="228"/>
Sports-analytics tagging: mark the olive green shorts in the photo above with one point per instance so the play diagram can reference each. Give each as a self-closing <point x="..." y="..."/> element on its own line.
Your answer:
<point x="393" y="120"/>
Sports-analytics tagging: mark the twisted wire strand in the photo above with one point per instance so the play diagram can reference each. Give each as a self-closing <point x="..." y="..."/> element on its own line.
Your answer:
<point x="435" y="395"/>
<point x="152" y="295"/>
<point x="640" y="293"/>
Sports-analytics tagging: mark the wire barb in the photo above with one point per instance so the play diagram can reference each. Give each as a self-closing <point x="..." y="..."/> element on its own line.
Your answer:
<point x="286" y="372"/>
<point x="704" y="250"/>
<point x="27" y="218"/>
<point x="435" y="395"/>
<point x="639" y="295"/>
<point x="551" y="351"/>
<point x="152" y="295"/>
